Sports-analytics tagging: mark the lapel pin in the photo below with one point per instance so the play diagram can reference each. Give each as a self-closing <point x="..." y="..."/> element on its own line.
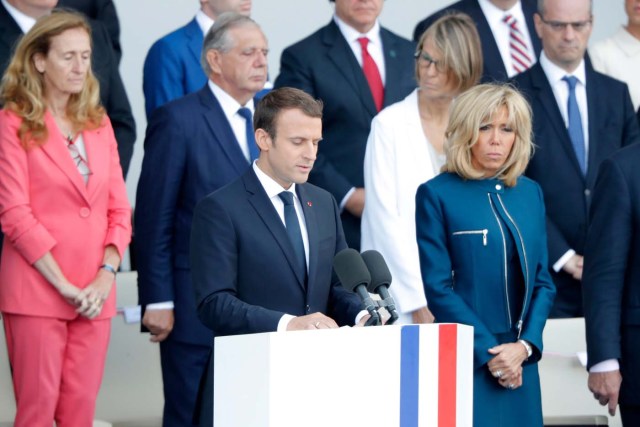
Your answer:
<point x="309" y="204"/>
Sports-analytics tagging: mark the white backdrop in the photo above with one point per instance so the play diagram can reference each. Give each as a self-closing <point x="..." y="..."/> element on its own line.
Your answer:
<point x="284" y="22"/>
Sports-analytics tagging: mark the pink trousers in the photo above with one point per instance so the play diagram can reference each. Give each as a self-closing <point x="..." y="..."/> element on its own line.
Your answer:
<point x="57" y="368"/>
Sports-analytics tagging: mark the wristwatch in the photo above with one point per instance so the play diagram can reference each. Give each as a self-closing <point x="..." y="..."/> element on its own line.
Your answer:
<point x="110" y="268"/>
<point x="527" y="346"/>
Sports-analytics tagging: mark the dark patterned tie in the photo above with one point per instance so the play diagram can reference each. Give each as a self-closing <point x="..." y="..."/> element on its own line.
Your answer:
<point x="293" y="230"/>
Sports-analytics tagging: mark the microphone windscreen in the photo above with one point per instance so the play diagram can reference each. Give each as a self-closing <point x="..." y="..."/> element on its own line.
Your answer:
<point x="380" y="274"/>
<point x="351" y="269"/>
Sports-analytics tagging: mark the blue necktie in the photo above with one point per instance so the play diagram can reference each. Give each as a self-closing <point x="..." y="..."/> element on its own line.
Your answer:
<point x="254" y="152"/>
<point x="293" y="230"/>
<point x="575" y="124"/>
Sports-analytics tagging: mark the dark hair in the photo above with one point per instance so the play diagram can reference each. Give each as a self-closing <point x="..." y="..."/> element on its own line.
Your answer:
<point x="286" y="98"/>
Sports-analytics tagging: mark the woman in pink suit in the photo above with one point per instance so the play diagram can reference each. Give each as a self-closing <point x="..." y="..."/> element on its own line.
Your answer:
<point x="66" y="220"/>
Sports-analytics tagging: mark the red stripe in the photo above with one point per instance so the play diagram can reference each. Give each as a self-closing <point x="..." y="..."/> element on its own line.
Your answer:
<point x="447" y="359"/>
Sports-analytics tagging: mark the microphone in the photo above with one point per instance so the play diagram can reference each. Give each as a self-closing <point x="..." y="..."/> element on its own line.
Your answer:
<point x="380" y="281"/>
<point x="353" y="274"/>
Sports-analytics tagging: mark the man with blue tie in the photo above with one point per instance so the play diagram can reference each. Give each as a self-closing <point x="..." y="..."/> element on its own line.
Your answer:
<point x="172" y="67"/>
<point x="581" y="117"/>
<point x="509" y="43"/>
<point x="262" y="247"/>
<point x="194" y="145"/>
<point x="356" y="67"/>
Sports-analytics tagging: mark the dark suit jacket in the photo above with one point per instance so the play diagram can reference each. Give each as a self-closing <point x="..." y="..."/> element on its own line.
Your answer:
<point x="190" y="151"/>
<point x="494" y="69"/>
<point x="324" y="66"/>
<point x="172" y="68"/>
<point x="611" y="281"/>
<point x="104" y="65"/>
<point x="243" y="263"/>
<point x="103" y="11"/>
<point x="567" y="193"/>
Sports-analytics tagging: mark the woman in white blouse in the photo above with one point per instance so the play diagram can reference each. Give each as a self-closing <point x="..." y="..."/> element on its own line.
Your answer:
<point x="405" y="149"/>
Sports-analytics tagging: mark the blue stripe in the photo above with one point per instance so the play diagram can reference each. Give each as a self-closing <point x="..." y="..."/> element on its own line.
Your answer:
<point x="409" y="375"/>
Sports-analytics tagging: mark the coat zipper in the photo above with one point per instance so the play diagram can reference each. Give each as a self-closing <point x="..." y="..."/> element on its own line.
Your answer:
<point x="504" y="255"/>
<point x="483" y="232"/>
<point x="526" y="266"/>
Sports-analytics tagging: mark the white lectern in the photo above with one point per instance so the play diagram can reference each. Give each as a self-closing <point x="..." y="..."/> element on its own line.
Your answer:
<point x="387" y="376"/>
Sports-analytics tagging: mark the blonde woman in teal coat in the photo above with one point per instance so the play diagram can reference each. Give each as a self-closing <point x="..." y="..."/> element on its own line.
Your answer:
<point x="483" y="253"/>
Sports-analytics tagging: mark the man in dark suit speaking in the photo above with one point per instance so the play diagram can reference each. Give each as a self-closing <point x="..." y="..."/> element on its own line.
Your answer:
<point x="262" y="248"/>
<point x="356" y="67"/>
<point x="611" y="286"/>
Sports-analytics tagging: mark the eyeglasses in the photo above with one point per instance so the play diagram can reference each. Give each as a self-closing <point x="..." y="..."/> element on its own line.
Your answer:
<point x="559" y="26"/>
<point x="428" y="60"/>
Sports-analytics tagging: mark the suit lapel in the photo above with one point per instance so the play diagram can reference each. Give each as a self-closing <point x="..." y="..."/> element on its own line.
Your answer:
<point x="596" y="117"/>
<point x="263" y="206"/>
<point x="98" y="156"/>
<point x="312" y="234"/>
<point x="552" y="111"/>
<point x="529" y="9"/>
<point x="56" y="149"/>
<point x="195" y="39"/>
<point x="340" y="54"/>
<point x="221" y="130"/>
<point x="393" y="69"/>
<point x="10" y="32"/>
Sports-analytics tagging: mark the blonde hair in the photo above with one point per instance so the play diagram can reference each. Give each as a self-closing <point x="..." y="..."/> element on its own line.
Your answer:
<point x="473" y="109"/>
<point x="456" y="37"/>
<point x="22" y="87"/>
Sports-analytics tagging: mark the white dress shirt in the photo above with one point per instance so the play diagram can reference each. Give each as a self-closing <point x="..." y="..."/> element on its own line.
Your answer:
<point x="494" y="16"/>
<point x="561" y="92"/>
<point x="619" y="57"/>
<point x="204" y="22"/>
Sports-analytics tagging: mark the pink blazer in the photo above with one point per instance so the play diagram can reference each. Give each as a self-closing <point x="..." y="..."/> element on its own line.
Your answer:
<point x="46" y="206"/>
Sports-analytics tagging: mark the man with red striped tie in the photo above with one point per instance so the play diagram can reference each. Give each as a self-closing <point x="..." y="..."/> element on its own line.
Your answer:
<point x="507" y="34"/>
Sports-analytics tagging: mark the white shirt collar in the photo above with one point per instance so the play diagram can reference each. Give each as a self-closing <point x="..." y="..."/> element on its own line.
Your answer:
<point x="494" y="14"/>
<point x="271" y="187"/>
<point x="555" y="73"/>
<point x="204" y="22"/>
<point x="25" y="22"/>
<point x="229" y="105"/>
<point x="351" y="35"/>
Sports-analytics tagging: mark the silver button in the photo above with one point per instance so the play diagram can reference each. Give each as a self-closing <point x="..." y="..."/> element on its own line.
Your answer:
<point x="498" y="187"/>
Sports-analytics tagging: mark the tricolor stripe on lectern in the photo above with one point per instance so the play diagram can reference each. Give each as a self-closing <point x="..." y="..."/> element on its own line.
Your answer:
<point x="411" y="401"/>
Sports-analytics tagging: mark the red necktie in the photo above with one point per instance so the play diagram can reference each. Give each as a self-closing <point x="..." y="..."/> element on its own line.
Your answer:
<point x="372" y="74"/>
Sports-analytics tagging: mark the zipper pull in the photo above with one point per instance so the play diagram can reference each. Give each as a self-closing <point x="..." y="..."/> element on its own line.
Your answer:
<point x="484" y="237"/>
<point x="519" y="326"/>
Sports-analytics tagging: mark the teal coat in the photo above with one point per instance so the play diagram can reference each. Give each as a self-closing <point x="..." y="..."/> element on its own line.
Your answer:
<point x="462" y="257"/>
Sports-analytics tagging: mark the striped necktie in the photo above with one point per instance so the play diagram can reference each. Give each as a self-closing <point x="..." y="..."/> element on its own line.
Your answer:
<point x="520" y="54"/>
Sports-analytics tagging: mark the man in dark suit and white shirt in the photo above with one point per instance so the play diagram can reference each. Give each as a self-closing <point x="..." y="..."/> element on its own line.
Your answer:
<point x="262" y="248"/>
<point x="580" y="117"/>
<point x="18" y="16"/>
<point x="611" y="286"/>
<point x="507" y="34"/>
<point x="194" y="145"/>
<point x="356" y="67"/>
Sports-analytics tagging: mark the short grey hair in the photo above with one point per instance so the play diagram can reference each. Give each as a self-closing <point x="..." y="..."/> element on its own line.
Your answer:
<point x="541" y="7"/>
<point x="218" y="36"/>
